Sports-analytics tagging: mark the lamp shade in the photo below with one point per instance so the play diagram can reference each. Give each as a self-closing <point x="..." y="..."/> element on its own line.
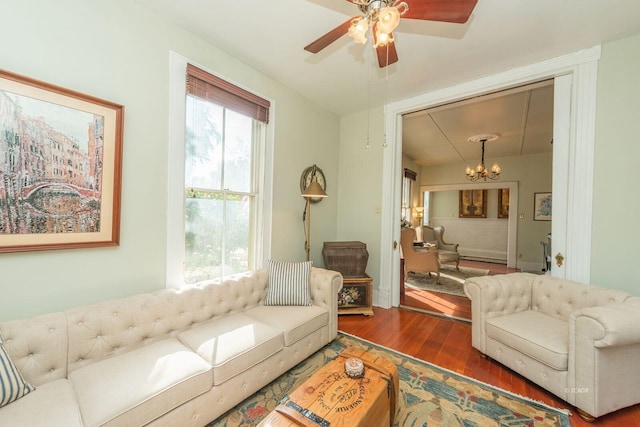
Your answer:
<point x="388" y="19"/>
<point x="314" y="190"/>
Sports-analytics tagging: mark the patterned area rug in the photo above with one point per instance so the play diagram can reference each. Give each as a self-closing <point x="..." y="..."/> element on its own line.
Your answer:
<point x="429" y="395"/>
<point x="451" y="280"/>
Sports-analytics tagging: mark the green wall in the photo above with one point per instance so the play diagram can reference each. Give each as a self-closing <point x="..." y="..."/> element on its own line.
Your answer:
<point x="118" y="51"/>
<point x="616" y="201"/>
<point x="360" y="179"/>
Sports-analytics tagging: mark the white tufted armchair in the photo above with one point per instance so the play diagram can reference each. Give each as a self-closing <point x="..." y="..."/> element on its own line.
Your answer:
<point x="580" y="342"/>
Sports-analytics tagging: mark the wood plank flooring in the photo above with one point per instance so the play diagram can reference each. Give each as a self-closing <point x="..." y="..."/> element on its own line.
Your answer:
<point x="445" y="304"/>
<point x="447" y="343"/>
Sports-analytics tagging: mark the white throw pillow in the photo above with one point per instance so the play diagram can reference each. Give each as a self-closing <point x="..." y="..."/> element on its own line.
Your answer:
<point x="12" y="385"/>
<point x="289" y="283"/>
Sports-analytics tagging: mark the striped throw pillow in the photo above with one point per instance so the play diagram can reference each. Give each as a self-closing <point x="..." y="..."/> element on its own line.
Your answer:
<point x="289" y="283"/>
<point x="12" y="385"/>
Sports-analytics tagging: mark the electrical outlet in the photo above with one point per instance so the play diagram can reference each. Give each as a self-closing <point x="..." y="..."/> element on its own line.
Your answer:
<point x="378" y="209"/>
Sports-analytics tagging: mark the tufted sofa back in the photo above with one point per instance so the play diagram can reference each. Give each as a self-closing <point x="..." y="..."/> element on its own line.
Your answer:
<point x="113" y="327"/>
<point x="560" y="297"/>
<point x="38" y="346"/>
<point x="50" y="346"/>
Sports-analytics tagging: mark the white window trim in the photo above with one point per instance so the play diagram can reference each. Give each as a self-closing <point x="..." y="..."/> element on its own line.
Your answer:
<point x="175" y="176"/>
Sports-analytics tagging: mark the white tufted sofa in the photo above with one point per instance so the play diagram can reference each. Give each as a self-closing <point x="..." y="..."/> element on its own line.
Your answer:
<point x="169" y="358"/>
<point x="580" y="342"/>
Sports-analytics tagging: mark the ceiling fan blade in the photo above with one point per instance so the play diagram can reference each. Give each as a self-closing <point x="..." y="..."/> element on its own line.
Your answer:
<point x="457" y="11"/>
<point x="333" y="35"/>
<point x="387" y="54"/>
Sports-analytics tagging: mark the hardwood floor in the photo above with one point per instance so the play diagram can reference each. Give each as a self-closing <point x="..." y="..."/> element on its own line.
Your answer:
<point x="448" y="305"/>
<point x="447" y="343"/>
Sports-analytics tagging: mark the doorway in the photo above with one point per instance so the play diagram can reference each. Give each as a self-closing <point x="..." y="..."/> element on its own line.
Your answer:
<point x="575" y="84"/>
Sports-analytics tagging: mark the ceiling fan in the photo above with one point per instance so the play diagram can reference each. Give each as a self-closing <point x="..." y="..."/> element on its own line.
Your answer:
<point x="381" y="17"/>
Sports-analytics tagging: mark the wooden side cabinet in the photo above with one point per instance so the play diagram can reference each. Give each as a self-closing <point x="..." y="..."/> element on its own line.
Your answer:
<point x="356" y="295"/>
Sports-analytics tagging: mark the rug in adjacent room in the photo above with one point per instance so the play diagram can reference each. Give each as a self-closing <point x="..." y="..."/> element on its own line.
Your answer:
<point x="451" y="280"/>
<point x="429" y="395"/>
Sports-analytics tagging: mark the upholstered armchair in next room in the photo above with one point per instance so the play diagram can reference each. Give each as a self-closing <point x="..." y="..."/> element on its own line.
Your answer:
<point x="446" y="251"/>
<point x="422" y="261"/>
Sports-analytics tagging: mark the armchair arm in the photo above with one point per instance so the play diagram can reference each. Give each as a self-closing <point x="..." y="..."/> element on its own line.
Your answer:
<point x="608" y="325"/>
<point x="448" y="246"/>
<point x="604" y="345"/>
<point x="325" y="285"/>
<point x="493" y="296"/>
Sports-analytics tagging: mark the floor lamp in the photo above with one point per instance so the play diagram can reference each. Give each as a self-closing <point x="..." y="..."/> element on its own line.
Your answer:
<point x="312" y="191"/>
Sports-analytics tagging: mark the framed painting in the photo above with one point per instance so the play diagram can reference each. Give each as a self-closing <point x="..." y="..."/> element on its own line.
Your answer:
<point x="473" y="204"/>
<point x="542" y="206"/>
<point x="60" y="167"/>
<point x="503" y="203"/>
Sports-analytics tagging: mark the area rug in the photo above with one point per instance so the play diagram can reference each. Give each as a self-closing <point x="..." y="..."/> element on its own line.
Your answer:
<point x="429" y="395"/>
<point x="451" y="280"/>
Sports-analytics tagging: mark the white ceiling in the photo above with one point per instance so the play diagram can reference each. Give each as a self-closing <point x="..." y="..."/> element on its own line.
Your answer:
<point x="344" y="77"/>
<point x="523" y="117"/>
<point x="500" y="35"/>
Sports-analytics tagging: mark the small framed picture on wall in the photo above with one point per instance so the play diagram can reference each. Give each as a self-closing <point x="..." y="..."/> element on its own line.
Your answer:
<point x="542" y="206"/>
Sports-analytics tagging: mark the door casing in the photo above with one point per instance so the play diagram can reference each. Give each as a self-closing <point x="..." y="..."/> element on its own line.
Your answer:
<point x="576" y="76"/>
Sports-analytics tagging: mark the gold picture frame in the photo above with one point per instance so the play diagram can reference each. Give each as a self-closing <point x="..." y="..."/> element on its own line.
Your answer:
<point x="60" y="167"/>
<point x="503" y="203"/>
<point x="473" y="204"/>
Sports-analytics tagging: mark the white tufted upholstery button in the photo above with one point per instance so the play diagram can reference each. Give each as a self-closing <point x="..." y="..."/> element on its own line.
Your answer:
<point x="52" y="330"/>
<point x="52" y="370"/>
<point x="80" y="323"/>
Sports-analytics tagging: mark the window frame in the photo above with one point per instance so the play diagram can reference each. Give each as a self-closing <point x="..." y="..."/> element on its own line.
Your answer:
<point x="175" y="244"/>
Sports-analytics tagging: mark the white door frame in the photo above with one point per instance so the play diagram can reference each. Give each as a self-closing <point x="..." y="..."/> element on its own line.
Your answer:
<point x="579" y="127"/>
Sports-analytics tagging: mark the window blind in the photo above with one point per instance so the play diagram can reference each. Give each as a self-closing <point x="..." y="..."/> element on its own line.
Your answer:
<point x="408" y="173"/>
<point x="212" y="88"/>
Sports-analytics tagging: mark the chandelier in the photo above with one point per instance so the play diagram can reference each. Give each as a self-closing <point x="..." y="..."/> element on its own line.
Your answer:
<point x="382" y="16"/>
<point x="481" y="172"/>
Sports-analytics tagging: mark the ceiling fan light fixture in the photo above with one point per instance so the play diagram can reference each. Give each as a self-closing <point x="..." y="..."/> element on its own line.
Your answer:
<point x="388" y="19"/>
<point x="381" y="38"/>
<point x="358" y="30"/>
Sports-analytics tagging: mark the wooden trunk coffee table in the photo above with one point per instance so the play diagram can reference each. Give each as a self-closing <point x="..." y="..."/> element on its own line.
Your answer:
<point x="331" y="399"/>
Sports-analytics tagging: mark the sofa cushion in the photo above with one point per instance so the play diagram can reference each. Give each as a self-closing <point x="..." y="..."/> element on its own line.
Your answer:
<point x="288" y="283"/>
<point x="12" y="384"/>
<point x="541" y="337"/>
<point x="295" y="322"/>
<point x="233" y="344"/>
<point x="51" y="404"/>
<point x="136" y="387"/>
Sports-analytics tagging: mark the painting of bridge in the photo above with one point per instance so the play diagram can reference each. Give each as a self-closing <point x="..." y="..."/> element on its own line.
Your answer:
<point x="52" y="167"/>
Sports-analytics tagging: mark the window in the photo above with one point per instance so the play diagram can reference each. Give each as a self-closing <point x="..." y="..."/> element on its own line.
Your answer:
<point x="407" y="195"/>
<point x="426" y="204"/>
<point x="221" y="183"/>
